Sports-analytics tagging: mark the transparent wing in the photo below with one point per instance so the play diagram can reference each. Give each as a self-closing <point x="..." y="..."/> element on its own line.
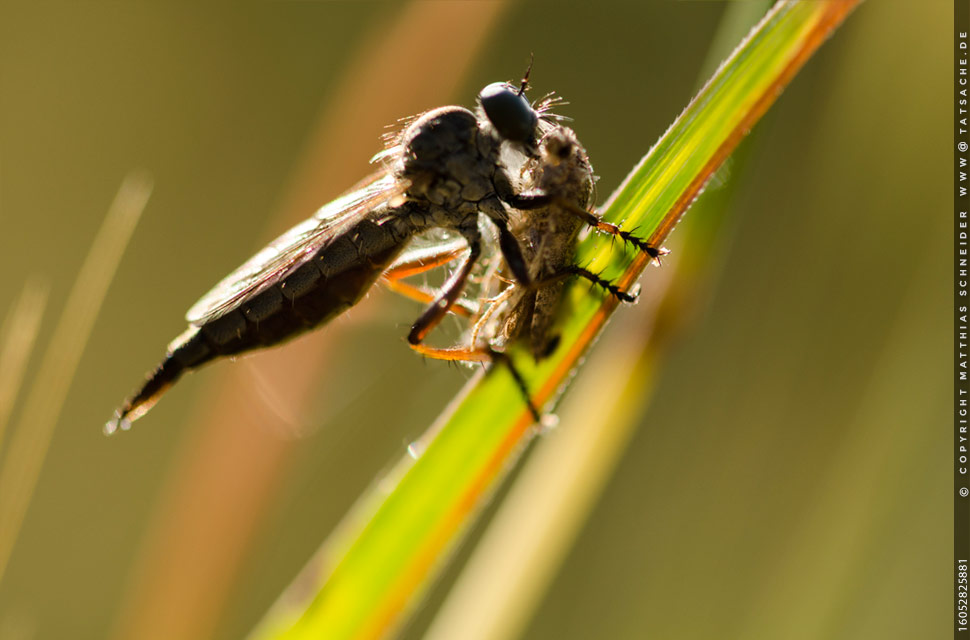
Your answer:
<point x="295" y="247"/>
<point x="425" y="252"/>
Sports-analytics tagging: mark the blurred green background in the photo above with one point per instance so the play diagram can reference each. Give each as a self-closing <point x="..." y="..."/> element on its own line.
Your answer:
<point x="791" y="477"/>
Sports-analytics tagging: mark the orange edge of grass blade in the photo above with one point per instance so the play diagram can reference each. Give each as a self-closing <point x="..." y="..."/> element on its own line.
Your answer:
<point x="831" y="14"/>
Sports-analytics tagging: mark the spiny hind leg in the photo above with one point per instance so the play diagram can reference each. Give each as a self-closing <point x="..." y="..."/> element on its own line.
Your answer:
<point x="593" y="220"/>
<point x="606" y="285"/>
<point x="484" y="355"/>
<point x="535" y="201"/>
<point x="594" y="278"/>
<point x="599" y="224"/>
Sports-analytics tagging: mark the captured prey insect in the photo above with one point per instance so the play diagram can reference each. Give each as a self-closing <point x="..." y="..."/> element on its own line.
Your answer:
<point x="442" y="171"/>
<point x="547" y="221"/>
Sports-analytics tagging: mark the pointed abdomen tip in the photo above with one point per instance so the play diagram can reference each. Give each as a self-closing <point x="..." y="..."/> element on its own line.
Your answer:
<point x="117" y="422"/>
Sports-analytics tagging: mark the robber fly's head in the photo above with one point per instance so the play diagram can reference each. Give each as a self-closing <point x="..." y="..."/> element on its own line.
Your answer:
<point x="510" y="113"/>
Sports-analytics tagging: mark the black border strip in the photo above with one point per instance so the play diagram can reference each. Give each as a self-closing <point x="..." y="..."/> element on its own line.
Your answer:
<point x="961" y="324"/>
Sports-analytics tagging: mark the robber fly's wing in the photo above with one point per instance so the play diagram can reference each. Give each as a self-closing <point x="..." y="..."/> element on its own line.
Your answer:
<point x="295" y="247"/>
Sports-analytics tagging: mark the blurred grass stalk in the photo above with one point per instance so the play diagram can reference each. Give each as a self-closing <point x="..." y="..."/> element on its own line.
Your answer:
<point x="17" y="338"/>
<point x="373" y="571"/>
<point x="31" y="438"/>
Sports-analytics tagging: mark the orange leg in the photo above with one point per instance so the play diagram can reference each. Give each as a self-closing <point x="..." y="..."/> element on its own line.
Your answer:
<point x="461" y="308"/>
<point x="449" y="293"/>
<point x="418" y="261"/>
<point x="455" y="354"/>
<point x="441" y="302"/>
<point x="483" y="355"/>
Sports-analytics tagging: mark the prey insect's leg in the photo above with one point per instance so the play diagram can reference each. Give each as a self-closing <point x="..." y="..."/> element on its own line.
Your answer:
<point x="450" y="291"/>
<point x="494" y="304"/>
<point x="482" y="354"/>
<point x="535" y="201"/>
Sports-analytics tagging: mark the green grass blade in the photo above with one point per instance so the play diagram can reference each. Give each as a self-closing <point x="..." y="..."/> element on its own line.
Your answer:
<point x="531" y="534"/>
<point x="369" y="576"/>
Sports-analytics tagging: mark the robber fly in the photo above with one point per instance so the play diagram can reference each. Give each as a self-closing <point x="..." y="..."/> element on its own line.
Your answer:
<point x="442" y="171"/>
<point x="547" y="220"/>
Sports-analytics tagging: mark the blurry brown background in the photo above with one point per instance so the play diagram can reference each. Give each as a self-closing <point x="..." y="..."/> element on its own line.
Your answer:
<point x="791" y="477"/>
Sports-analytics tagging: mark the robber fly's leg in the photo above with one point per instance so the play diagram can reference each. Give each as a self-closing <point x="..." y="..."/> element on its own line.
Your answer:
<point x="424" y="295"/>
<point x="415" y="263"/>
<point x="599" y="224"/>
<point x="482" y="354"/>
<point x="512" y="253"/>
<point x="498" y="214"/>
<point x="529" y="201"/>
<point x="503" y="358"/>
<point x="535" y="201"/>
<point x="418" y="262"/>
<point x="576" y="270"/>
<point x="613" y="290"/>
<point x="450" y="291"/>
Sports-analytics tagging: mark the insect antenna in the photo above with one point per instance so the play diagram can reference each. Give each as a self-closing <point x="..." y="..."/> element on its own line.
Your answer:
<point x="528" y="70"/>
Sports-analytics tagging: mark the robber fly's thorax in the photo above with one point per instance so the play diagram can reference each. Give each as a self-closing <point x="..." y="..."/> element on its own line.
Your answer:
<point x="450" y="160"/>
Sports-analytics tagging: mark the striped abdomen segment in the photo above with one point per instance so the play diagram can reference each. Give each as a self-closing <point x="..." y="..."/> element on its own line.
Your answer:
<point x="334" y="280"/>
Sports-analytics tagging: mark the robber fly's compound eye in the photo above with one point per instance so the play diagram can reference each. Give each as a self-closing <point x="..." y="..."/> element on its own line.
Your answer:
<point x="509" y="112"/>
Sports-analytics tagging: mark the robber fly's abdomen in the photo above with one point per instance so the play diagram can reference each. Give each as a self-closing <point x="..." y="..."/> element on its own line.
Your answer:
<point x="305" y="299"/>
<point x="322" y="288"/>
